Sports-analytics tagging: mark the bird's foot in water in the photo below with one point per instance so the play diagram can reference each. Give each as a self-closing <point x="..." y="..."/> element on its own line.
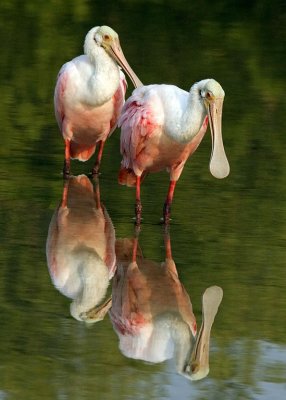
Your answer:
<point x="66" y="170"/>
<point x="138" y="212"/>
<point x="167" y="213"/>
<point x="66" y="175"/>
<point x="95" y="171"/>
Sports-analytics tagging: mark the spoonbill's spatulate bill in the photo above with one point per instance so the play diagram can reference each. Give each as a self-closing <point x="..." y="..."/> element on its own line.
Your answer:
<point x="89" y="95"/>
<point x="162" y="125"/>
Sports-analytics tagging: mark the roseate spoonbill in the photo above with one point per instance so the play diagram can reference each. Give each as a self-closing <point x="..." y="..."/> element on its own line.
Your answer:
<point x="162" y="125"/>
<point x="81" y="248"/>
<point x="89" y="95"/>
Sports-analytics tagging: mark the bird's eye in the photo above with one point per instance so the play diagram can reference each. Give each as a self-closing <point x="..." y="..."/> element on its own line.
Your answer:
<point x="208" y="95"/>
<point x="106" y="37"/>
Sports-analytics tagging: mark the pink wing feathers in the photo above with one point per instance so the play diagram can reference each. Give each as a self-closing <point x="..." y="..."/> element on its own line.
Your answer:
<point x="59" y="94"/>
<point x="141" y="115"/>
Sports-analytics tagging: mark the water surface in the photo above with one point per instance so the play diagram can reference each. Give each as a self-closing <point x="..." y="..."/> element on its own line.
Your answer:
<point x="229" y="233"/>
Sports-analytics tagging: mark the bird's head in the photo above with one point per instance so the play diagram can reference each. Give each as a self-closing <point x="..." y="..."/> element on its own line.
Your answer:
<point x="212" y="96"/>
<point x="211" y="90"/>
<point x="107" y="39"/>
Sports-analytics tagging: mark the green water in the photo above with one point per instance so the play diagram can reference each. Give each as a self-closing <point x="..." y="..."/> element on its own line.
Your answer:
<point x="230" y="233"/>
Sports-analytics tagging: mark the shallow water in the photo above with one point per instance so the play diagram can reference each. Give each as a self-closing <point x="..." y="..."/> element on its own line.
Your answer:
<point x="229" y="233"/>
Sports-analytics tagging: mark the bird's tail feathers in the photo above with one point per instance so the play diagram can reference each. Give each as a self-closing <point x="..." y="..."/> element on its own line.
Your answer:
<point x="127" y="177"/>
<point x="81" y="152"/>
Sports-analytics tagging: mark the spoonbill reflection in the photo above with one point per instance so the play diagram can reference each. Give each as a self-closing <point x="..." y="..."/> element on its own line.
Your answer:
<point x="162" y="125"/>
<point x="152" y="313"/>
<point x="89" y="95"/>
<point x="81" y="248"/>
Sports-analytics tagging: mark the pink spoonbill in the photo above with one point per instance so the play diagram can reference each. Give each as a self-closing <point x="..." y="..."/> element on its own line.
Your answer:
<point x="162" y="125"/>
<point x="89" y="95"/>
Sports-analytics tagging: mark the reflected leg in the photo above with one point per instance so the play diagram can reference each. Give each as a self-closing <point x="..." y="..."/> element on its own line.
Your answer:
<point x="64" y="202"/>
<point x="135" y="242"/>
<point x="167" y="242"/>
<point x="96" y="191"/>
<point x="67" y="161"/>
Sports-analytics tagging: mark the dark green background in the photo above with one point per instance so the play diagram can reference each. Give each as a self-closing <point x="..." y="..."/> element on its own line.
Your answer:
<point x="231" y="232"/>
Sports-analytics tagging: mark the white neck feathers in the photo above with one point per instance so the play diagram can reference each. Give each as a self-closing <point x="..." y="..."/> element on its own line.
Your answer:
<point x="104" y="77"/>
<point x="188" y="124"/>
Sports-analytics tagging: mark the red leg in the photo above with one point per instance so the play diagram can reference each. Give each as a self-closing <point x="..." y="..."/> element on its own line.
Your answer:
<point x="138" y="206"/>
<point x="96" y="167"/>
<point x="168" y="202"/>
<point x="168" y="251"/>
<point x="67" y="162"/>
<point x="96" y="191"/>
